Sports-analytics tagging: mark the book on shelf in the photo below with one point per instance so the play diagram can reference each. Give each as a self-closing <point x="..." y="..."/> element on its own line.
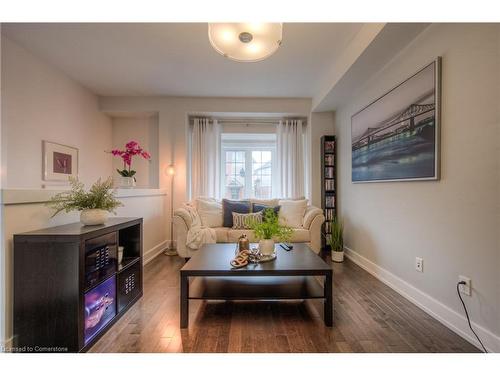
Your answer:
<point x="329" y="214"/>
<point x="330" y="201"/>
<point x="329" y="172"/>
<point x="329" y="146"/>
<point x="329" y="160"/>
<point x="328" y="227"/>
<point x="330" y="185"/>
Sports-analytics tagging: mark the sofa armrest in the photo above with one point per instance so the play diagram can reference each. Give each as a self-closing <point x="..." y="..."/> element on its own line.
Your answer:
<point x="183" y="214"/>
<point x="311" y="213"/>
<point x="315" y="233"/>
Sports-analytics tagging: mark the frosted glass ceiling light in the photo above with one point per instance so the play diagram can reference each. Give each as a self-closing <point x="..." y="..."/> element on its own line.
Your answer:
<point x="245" y="41"/>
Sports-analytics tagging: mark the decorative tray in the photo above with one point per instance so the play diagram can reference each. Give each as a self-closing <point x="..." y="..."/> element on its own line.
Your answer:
<point x="256" y="257"/>
<point x="245" y="257"/>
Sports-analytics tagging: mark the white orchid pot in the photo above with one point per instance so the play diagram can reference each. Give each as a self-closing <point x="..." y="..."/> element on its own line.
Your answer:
<point x="94" y="216"/>
<point x="126" y="182"/>
<point x="337" y="256"/>
<point x="266" y="247"/>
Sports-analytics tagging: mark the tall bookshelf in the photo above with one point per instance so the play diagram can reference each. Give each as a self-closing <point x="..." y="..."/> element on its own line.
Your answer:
<point x="328" y="183"/>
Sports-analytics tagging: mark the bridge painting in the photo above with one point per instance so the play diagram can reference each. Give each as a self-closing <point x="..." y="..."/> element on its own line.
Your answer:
<point x="395" y="137"/>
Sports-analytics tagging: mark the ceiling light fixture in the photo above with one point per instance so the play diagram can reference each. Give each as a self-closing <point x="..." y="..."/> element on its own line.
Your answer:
<point x="245" y="42"/>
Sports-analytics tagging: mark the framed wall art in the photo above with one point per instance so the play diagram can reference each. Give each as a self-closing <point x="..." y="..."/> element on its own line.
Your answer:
<point x="396" y="137"/>
<point x="59" y="162"/>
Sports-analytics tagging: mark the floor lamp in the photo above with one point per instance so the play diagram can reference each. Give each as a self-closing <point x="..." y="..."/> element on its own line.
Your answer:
<point x="171" y="251"/>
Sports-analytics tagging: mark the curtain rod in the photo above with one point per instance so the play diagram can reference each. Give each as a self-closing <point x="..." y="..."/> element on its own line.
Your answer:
<point x="249" y="120"/>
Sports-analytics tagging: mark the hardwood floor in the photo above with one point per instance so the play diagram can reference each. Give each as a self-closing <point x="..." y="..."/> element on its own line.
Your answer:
<point x="368" y="317"/>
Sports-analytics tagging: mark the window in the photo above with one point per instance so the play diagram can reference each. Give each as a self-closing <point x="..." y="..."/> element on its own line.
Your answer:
<point x="248" y="165"/>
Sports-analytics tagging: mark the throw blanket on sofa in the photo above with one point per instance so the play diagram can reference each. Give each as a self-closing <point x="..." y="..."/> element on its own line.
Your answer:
<point x="197" y="234"/>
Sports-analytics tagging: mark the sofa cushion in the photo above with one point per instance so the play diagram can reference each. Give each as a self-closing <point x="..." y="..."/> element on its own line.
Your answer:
<point x="298" y="235"/>
<point x="210" y="212"/>
<point x="234" y="234"/>
<point x="301" y="198"/>
<point x="292" y="212"/>
<point x="265" y="202"/>
<point x="257" y="207"/>
<point x="244" y="221"/>
<point x="221" y="234"/>
<point x="194" y="202"/>
<point x="229" y="206"/>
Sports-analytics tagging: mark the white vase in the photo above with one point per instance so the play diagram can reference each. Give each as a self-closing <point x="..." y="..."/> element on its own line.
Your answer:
<point x="338" y="256"/>
<point x="126" y="182"/>
<point x="266" y="247"/>
<point x="93" y="216"/>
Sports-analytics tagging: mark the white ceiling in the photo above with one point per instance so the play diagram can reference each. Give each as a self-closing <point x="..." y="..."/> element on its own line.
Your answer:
<point x="177" y="59"/>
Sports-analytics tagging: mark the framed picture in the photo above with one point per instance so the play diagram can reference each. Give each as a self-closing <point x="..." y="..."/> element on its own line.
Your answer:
<point x="59" y="162"/>
<point x="396" y="137"/>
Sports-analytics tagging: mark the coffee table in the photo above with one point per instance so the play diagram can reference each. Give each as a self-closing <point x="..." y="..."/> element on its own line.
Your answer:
<point x="293" y="275"/>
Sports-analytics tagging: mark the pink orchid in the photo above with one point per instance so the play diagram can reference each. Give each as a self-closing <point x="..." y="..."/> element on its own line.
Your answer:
<point x="131" y="145"/>
<point x="117" y="152"/>
<point x="132" y="149"/>
<point x="127" y="159"/>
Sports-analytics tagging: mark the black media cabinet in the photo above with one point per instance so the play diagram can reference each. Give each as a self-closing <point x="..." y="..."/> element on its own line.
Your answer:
<point x="68" y="286"/>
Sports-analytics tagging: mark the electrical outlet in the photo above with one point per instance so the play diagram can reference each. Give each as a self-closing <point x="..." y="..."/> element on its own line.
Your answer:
<point x="419" y="264"/>
<point x="465" y="288"/>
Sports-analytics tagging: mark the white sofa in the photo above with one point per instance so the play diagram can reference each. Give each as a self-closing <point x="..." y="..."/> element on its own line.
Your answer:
<point x="308" y="232"/>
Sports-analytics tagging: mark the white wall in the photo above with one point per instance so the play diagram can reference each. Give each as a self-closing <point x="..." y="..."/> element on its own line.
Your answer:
<point x="173" y="117"/>
<point x="39" y="102"/>
<point x="452" y="223"/>
<point x="144" y="130"/>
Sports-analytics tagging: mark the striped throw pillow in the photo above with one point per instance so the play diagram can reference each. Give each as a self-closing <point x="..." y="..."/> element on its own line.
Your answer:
<point x="243" y="221"/>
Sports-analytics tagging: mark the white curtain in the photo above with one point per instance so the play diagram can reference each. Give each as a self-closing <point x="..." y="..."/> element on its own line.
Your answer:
<point x="205" y="158"/>
<point x="290" y="152"/>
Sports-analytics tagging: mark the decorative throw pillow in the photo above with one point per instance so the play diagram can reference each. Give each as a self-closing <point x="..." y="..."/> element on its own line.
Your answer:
<point x="265" y="202"/>
<point x="243" y="221"/>
<point x="229" y="206"/>
<point x="210" y="212"/>
<point x="261" y="207"/>
<point x="292" y="212"/>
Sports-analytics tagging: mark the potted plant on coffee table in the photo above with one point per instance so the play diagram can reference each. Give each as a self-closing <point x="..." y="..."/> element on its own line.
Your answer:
<point x="94" y="205"/>
<point x="269" y="229"/>
<point x="335" y="239"/>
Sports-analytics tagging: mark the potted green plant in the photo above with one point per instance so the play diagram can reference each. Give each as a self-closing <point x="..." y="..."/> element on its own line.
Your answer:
<point x="269" y="229"/>
<point x="94" y="205"/>
<point x="335" y="239"/>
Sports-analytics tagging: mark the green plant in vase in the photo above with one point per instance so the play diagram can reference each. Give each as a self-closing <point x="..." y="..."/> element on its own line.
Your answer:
<point x="94" y="205"/>
<point x="335" y="239"/>
<point x="269" y="229"/>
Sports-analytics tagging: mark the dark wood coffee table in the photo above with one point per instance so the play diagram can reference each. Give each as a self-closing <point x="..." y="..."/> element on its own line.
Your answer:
<point x="209" y="276"/>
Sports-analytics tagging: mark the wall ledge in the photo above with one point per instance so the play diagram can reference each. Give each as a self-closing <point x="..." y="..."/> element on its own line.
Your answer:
<point x="33" y="196"/>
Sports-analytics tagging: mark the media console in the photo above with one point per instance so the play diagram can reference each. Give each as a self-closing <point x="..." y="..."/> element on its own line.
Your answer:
<point x="69" y="288"/>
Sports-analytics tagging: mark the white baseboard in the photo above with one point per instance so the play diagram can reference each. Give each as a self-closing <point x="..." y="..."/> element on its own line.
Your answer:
<point x="152" y="253"/>
<point x="450" y="318"/>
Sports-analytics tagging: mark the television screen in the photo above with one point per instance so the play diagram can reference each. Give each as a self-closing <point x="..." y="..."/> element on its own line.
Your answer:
<point x="100" y="307"/>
